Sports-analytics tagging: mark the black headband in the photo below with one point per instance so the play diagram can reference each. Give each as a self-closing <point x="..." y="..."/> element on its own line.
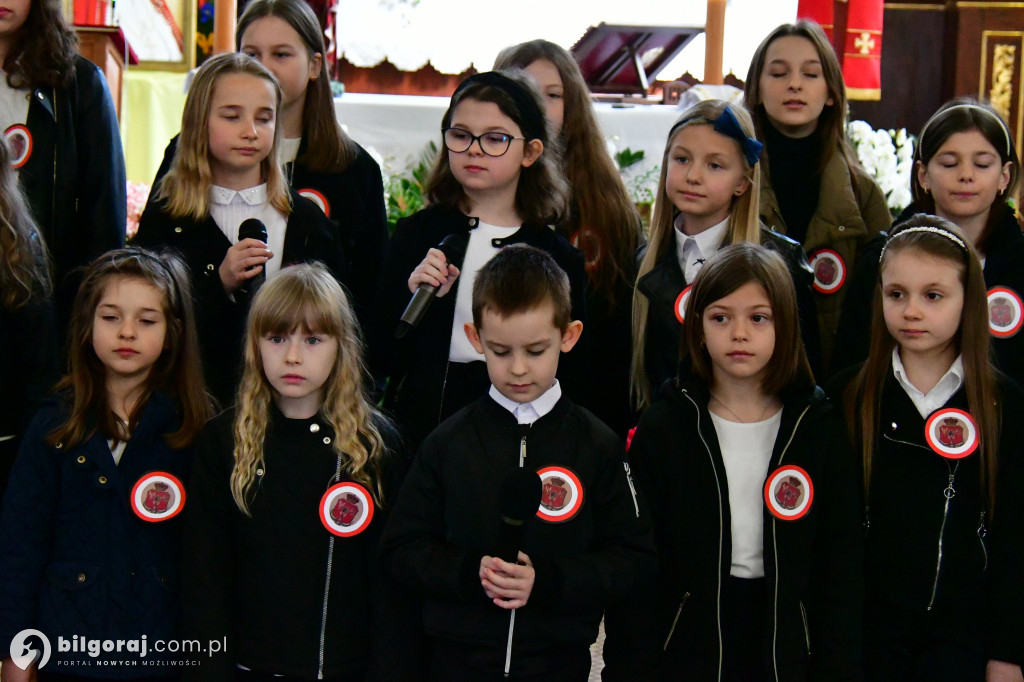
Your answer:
<point x="533" y="118"/>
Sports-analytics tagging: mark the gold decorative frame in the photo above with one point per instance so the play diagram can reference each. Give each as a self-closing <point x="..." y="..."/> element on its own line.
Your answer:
<point x="1007" y="74"/>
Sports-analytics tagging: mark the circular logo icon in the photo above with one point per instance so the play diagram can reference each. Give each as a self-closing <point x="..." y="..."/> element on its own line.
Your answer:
<point x="158" y="496"/>
<point x="24" y="655"/>
<point x="789" y="493"/>
<point x="561" y="495"/>
<point x="829" y="271"/>
<point x="681" y="300"/>
<point x="951" y="433"/>
<point x="346" y="509"/>
<point x="20" y="141"/>
<point x="318" y="199"/>
<point x="1004" y="312"/>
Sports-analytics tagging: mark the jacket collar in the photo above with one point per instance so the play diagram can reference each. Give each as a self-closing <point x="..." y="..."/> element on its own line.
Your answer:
<point x="47" y="99"/>
<point x="665" y="280"/>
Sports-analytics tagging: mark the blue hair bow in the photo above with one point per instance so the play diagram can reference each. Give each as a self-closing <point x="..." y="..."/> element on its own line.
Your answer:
<point x="727" y="125"/>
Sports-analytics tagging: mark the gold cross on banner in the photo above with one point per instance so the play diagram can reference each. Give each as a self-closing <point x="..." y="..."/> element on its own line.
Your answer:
<point x="865" y="43"/>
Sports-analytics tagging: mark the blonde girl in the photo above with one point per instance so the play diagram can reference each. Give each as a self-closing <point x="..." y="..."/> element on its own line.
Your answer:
<point x="707" y="198"/>
<point x="26" y="312"/>
<point x="814" y="190"/>
<point x="937" y="430"/>
<point x="602" y="219"/>
<point x="225" y="172"/>
<point x="301" y="468"/>
<point x="90" y="527"/>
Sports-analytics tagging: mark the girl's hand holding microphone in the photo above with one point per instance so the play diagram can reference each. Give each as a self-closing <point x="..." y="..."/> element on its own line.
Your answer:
<point x="242" y="262"/>
<point x="435" y="271"/>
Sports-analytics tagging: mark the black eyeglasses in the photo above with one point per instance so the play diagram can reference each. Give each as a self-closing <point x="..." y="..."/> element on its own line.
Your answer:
<point x="459" y="140"/>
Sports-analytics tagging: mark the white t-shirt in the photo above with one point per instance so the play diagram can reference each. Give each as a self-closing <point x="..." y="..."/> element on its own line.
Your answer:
<point x="229" y="208"/>
<point x="14" y="111"/>
<point x="747" y="452"/>
<point x="478" y="252"/>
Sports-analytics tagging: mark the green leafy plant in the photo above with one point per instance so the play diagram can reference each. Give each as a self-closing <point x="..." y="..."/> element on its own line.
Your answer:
<point x="405" y="190"/>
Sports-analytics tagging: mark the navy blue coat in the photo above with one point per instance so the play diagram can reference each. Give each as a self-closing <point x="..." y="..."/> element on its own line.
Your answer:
<point x="75" y="559"/>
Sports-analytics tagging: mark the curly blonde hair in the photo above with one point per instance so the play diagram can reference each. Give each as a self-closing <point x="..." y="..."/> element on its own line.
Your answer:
<point x="307" y="297"/>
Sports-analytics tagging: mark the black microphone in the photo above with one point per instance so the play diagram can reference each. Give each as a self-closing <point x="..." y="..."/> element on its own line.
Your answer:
<point x="253" y="228"/>
<point x="518" y="501"/>
<point x="454" y="248"/>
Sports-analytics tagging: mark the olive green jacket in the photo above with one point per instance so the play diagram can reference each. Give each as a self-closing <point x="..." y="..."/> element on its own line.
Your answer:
<point x="851" y="211"/>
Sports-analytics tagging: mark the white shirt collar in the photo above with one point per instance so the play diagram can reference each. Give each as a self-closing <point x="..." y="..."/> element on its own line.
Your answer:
<point x="940" y="394"/>
<point x="707" y="243"/>
<point x="527" y="413"/>
<point x="253" y="196"/>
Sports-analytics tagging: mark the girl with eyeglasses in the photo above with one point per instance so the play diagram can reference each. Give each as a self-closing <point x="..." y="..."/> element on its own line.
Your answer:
<point x="495" y="183"/>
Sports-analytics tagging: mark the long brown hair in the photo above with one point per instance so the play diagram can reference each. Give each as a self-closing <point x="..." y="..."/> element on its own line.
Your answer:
<point x="542" y="194"/>
<point x="831" y="128"/>
<point x="962" y="115"/>
<point x="744" y="225"/>
<point x="604" y="223"/>
<point x="185" y="190"/>
<point x="24" y="264"/>
<point x="326" y="146"/>
<point x="863" y="397"/>
<point x="725" y="272"/>
<point x="307" y="296"/>
<point x="177" y="372"/>
<point x="44" y="50"/>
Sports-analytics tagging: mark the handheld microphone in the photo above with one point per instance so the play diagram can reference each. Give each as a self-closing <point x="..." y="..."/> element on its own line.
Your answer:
<point x="454" y="249"/>
<point x="253" y="228"/>
<point x="518" y="501"/>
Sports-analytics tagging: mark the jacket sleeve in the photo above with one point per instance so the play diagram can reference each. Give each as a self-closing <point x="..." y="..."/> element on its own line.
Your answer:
<point x="622" y="551"/>
<point x="414" y="545"/>
<point x="631" y="650"/>
<point x="208" y="563"/>
<point x="103" y="195"/>
<point x="27" y="524"/>
<point x="1006" y="565"/>
<point x="835" y="609"/>
<point x="371" y="237"/>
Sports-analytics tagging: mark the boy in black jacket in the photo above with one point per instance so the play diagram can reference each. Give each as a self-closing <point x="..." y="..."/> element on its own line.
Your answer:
<point x="490" y="619"/>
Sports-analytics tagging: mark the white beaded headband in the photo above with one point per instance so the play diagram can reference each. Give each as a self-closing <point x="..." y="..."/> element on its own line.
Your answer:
<point x="974" y="107"/>
<point x="924" y="228"/>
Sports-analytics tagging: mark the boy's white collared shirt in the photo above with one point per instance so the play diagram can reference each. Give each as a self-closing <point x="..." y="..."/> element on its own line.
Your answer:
<point x="229" y="208"/>
<point x="692" y="251"/>
<point x="527" y="413"/>
<point x="940" y="394"/>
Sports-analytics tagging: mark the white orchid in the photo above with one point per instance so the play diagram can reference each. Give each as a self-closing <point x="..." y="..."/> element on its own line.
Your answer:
<point x="888" y="157"/>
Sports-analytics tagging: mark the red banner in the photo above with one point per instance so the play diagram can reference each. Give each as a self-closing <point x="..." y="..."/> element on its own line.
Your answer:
<point x="820" y="11"/>
<point x="862" y="50"/>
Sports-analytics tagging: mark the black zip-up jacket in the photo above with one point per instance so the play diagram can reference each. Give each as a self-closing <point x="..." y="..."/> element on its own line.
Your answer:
<point x="74" y="178"/>
<point x="417" y="365"/>
<point x="812" y="564"/>
<point x="663" y="284"/>
<point x="221" y="319"/>
<point x="1004" y="267"/>
<point x="940" y="567"/>
<point x="352" y="199"/>
<point x="291" y="598"/>
<point x="447" y="518"/>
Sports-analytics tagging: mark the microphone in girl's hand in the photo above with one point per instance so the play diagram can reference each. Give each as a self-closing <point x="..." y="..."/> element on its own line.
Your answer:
<point x="253" y="228"/>
<point x="454" y="249"/>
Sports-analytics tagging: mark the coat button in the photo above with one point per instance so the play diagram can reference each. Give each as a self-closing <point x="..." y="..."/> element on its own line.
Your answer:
<point x="496" y="243"/>
<point x="102" y="480"/>
<point x="81" y="577"/>
<point x="314" y="428"/>
<point x="842" y="228"/>
<point x="58" y="445"/>
<point x="473" y="222"/>
<point x="893" y="426"/>
<point x="209" y="266"/>
<point x="327" y="440"/>
<point x="81" y="459"/>
<point x="259" y="472"/>
<point x="178" y="230"/>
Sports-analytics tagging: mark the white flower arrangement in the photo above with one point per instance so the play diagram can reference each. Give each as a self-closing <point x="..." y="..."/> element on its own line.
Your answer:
<point x="888" y="157"/>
